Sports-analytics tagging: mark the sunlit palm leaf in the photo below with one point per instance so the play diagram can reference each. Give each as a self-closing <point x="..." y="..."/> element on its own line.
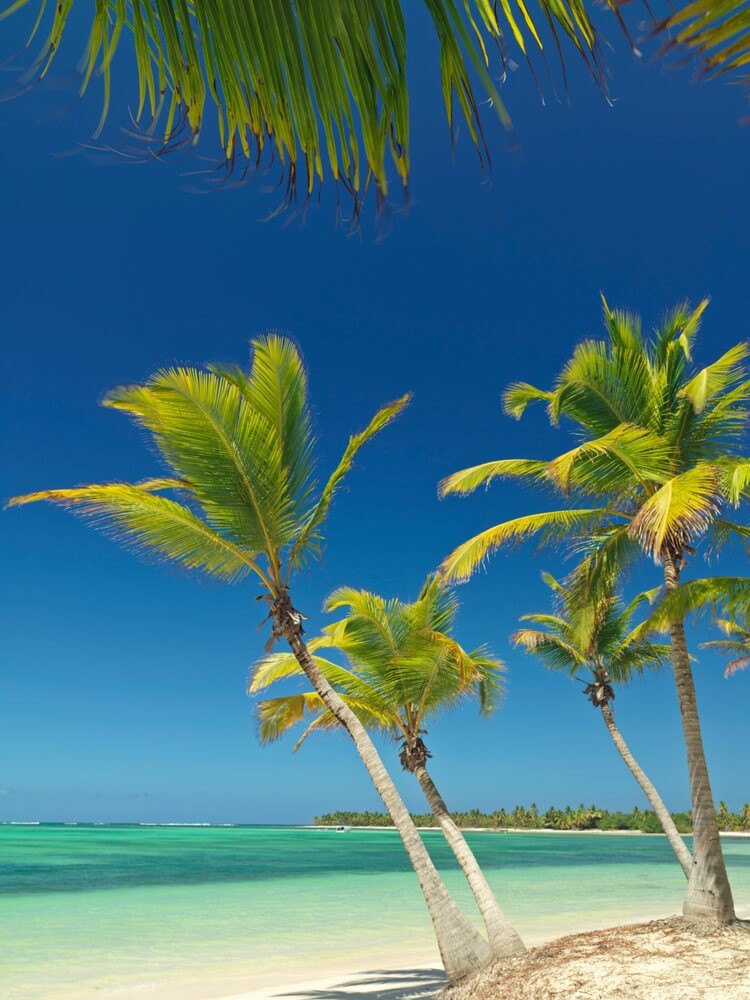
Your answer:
<point x="729" y="594"/>
<point x="717" y="377"/>
<point x="467" y="480"/>
<point x="154" y="525"/>
<point x="308" y="540"/>
<point x="277" y="388"/>
<point x="681" y="510"/>
<point x="211" y="436"/>
<point x="613" y="462"/>
<point x="546" y="527"/>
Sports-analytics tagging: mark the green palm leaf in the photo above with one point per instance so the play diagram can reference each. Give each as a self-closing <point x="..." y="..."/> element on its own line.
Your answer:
<point x="467" y="480"/>
<point x="154" y="525"/>
<point x="681" y="510"/>
<point x="546" y="527"/>
<point x="324" y="84"/>
<point x="212" y="437"/>
<point x="307" y="542"/>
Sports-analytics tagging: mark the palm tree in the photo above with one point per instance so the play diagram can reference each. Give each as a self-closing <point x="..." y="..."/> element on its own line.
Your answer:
<point x="324" y="84"/>
<point x="659" y="459"/>
<point x="610" y="653"/>
<point x="404" y="668"/>
<point x="239" y="449"/>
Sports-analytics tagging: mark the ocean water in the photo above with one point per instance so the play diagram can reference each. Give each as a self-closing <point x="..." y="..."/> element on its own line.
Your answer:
<point x="101" y="910"/>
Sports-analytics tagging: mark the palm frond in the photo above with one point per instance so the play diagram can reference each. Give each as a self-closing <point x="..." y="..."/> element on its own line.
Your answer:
<point x="717" y="377"/>
<point x="723" y="531"/>
<point x="276" y="716"/>
<point x="679" y="511"/>
<point x="228" y="451"/>
<point x="308" y="539"/>
<point x="519" y="395"/>
<point x="554" y="652"/>
<point x="729" y="594"/>
<point x="154" y="525"/>
<point x="467" y="480"/>
<point x="741" y="663"/>
<point x="323" y="85"/>
<point x="281" y="666"/>
<point x="717" y="34"/>
<point x="548" y="527"/>
<point x="615" y="462"/>
<point x="277" y="389"/>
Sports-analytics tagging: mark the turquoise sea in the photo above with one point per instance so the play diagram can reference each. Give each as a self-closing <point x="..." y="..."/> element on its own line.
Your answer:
<point x="103" y="910"/>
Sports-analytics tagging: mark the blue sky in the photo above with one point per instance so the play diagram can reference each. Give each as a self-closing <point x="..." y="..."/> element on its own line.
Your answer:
<point x="123" y="684"/>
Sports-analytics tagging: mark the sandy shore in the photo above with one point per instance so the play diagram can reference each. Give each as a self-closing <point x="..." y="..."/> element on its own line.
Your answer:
<point x="415" y="976"/>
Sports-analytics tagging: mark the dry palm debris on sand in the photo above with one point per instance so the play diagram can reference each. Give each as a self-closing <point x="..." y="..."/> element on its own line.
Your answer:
<point x="661" y="960"/>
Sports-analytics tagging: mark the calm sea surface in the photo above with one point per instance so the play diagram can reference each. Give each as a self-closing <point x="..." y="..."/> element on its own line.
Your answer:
<point x="104" y="908"/>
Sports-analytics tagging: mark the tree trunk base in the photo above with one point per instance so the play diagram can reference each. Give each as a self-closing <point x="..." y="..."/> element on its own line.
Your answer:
<point x="703" y="904"/>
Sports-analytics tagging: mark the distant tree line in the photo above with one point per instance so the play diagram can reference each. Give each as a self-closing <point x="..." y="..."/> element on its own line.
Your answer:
<point x="569" y="818"/>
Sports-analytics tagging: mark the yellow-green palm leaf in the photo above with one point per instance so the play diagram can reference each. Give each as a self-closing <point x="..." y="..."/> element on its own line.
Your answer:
<point x="464" y="561"/>
<point x="155" y="525"/>
<point x="680" y="511"/>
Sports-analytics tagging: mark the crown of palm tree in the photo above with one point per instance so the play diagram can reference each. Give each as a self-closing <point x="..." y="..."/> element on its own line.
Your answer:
<point x="660" y="452"/>
<point x="403" y="667"/>
<point x="325" y="83"/>
<point x="600" y="640"/>
<point x="239" y="448"/>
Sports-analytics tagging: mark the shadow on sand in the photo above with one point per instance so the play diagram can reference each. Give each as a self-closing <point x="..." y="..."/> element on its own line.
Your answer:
<point x="380" y="984"/>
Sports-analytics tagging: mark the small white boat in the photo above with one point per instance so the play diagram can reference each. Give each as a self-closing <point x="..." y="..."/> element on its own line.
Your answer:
<point x="342" y="829"/>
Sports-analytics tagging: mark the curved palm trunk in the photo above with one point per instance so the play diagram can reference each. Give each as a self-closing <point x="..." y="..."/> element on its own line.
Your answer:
<point x="673" y="835"/>
<point x="503" y="939"/>
<point x="708" y="895"/>
<point x="462" y="948"/>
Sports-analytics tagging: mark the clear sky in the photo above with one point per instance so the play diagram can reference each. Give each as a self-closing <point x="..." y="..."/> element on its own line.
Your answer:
<point x="123" y="684"/>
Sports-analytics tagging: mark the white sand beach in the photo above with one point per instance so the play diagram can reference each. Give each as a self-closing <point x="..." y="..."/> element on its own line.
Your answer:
<point x="404" y="977"/>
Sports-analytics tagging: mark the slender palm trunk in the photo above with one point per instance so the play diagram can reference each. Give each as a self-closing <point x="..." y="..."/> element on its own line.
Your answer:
<point x="708" y="895"/>
<point x="673" y="835"/>
<point x="504" y="941"/>
<point x="463" y="949"/>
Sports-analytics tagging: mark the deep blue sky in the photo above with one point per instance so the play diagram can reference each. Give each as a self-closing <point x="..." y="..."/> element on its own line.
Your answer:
<point x="123" y="684"/>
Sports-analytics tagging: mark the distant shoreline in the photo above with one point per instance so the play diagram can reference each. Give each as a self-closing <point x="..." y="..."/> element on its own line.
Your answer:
<point x="519" y="829"/>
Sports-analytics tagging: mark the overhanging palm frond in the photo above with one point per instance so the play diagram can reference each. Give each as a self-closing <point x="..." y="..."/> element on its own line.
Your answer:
<point x="551" y="526"/>
<point x="307" y="542"/>
<point x="154" y="525"/>
<point x="717" y="34"/>
<point x="324" y="84"/>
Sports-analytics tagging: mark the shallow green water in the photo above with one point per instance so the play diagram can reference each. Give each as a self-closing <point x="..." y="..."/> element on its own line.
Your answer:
<point x="101" y="908"/>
